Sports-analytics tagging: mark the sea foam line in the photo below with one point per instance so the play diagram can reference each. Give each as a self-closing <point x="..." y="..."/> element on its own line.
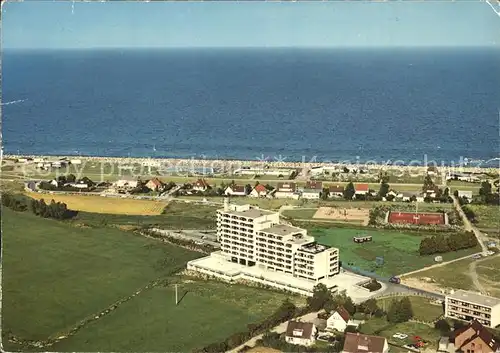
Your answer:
<point x="14" y="102"/>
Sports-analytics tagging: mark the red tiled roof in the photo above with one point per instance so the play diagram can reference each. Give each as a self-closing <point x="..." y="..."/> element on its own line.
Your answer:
<point x="357" y="343"/>
<point x="201" y="183"/>
<point x="305" y="327"/>
<point x="237" y="188"/>
<point x="361" y="187"/>
<point x="260" y="188"/>
<point x="476" y="329"/>
<point x="156" y="182"/>
<point x="336" y="188"/>
<point x="344" y="314"/>
<point x="317" y="185"/>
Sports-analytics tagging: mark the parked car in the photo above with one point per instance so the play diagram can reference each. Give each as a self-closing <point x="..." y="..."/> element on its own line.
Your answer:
<point x="395" y="280"/>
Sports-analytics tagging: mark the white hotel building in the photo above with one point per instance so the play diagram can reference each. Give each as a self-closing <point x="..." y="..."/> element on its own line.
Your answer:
<point x="256" y="247"/>
<point x="470" y="306"/>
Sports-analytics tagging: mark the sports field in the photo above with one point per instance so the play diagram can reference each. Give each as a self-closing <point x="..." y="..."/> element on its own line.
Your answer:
<point x="98" y="204"/>
<point x="208" y="312"/>
<point x="399" y="250"/>
<point x="55" y="275"/>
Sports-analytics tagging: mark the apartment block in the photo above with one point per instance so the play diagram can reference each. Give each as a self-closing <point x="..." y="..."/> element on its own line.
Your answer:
<point x="253" y="237"/>
<point x="469" y="306"/>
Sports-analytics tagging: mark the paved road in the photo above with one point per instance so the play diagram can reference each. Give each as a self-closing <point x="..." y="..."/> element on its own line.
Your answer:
<point x="281" y="328"/>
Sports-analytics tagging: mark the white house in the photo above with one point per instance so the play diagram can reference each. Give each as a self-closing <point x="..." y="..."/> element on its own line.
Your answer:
<point x="359" y="343"/>
<point x="361" y="189"/>
<point x="235" y="190"/>
<point x="340" y="319"/>
<point x="201" y="185"/>
<point x="54" y="182"/>
<point x="75" y="161"/>
<point x="286" y="190"/>
<point x="258" y="191"/>
<point x="78" y="185"/>
<point x="336" y="191"/>
<point x="127" y="182"/>
<point x="301" y="333"/>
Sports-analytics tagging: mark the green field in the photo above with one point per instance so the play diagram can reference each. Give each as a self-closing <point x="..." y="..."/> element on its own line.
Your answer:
<point x="454" y="275"/>
<point x="55" y="275"/>
<point x="489" y="275"/>
<point x="423" y="309"/>
<point x="399" y="250"/>
<point x="487" y="217"/>
<point x="209" y="312"/>
<point x="300" y="213"/>
<point x="177" y="215"/>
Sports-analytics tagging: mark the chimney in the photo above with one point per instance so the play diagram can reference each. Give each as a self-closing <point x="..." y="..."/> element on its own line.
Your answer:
<point x="226" y="204"/>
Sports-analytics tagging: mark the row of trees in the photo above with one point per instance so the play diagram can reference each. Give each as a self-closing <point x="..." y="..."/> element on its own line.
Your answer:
<point x="440" y="243"/>
<point x="487" y="195"/>
<point x="56" y="210"/>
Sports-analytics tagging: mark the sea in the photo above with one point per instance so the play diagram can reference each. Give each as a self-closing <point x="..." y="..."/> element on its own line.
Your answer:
<point x="279" y="104"/>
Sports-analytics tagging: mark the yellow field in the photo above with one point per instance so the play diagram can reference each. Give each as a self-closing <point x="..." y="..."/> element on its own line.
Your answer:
<point x="100" y="204"/>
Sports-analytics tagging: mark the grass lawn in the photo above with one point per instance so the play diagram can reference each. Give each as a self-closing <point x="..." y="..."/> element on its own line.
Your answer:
<point x="306" y="213"/>
<point x="489" y="275"/>
<point x="209" y="312"/>
<point x="454" y="275"/>
<point x="463" y="185"/>
<point x="99" y="204"/>
<point x="399" y="250"/>
<point x="55" y="275"/>
<point x="487" y="216"/>
<point x="423" y="309"/>
<point x="379" y="326"/>
<point x="177" y="215"/>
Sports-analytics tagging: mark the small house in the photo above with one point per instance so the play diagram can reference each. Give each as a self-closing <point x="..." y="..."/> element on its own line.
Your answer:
<point x="466" y="194"/>
<point x="201" y="185"/>
<point x="359" y="343"/>
<point x="361" y="189"/>
<point x="301" y="333"/>
<point x="336" y="191"/>
<point x="127" y="182"/>
<point x="258" y="191"/>
<point x="154" y="184"/>
<point x="472" y="338"/>
<point x="235" y="190"/>
<point x="338" y="320"/>
<point x="286" y="190"/>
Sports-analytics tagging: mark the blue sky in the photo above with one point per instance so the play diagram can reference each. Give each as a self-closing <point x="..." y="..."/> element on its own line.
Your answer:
<point x="262" y="24"/>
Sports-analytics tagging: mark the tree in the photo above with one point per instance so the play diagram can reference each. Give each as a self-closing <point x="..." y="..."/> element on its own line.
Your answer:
<point x="406" y="309"/>
<point x="248" y="189"/>
<point x="485" y="189"/>
<point x="70" y="178"/>
<point x="384" y="189"/>
<point x="443" y="326"/>
<point x="428" y="183"/>
<point x="325" y="193"/>
<point x="349" y="191"/>
<point x="321" y="295"/>
<point x="400" y="311"/>
<point x="370" y="306"/>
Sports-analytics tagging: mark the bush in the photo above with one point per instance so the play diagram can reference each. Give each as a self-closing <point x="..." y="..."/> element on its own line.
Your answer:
<point x="438" y="244"/>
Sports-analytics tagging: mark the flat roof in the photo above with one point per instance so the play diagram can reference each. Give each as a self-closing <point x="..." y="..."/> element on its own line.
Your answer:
<point x="474" y="298"/>
<point x="282" y="229"/>
<point x="250" y="213"/>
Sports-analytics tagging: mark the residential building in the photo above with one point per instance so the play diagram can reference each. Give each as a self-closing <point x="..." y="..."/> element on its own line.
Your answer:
<point x="359" y="343"/>
<point x="474" y="338"/>
<point x="361" y="189"/>
<point x="235" y="190"/>
<point x="336" y="191"/>
<point x="470" y="306"/>
<point x="75" y="161"/>
<point x="154" y="184"/>
<point x="255" y="239"/>
<point x="286" y="190"/>
<point x="201" y="185"/>
<point x="54" y="182"/>
<point x="78" y="185"/>
<point x="284" y="172"/>
<point x="301" y="333"/>
<point x="312" y="190"/>
<point x="127" y="182"/>
<point x="258" y="191"/>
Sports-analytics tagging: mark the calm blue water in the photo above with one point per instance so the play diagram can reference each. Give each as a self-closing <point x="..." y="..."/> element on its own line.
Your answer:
<point x="247" y="103"/>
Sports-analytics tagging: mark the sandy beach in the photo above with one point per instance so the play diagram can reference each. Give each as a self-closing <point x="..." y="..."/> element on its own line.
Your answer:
<point x="226" y="164"/>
